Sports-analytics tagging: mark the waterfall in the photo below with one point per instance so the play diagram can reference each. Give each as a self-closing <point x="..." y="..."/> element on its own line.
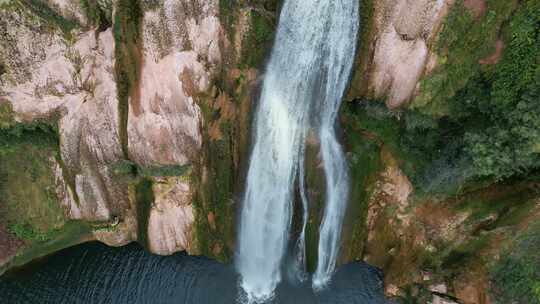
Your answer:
<point x="304" y="83"/>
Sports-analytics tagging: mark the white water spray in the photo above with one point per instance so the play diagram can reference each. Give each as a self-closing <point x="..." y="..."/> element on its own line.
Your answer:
<point x="305" y="81"/>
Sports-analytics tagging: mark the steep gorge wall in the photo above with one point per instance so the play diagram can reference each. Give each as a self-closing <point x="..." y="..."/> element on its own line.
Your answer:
<point x="446" y="198"/>
<point x="397" y="48"/>
<point x="148" y="107"/>
<point x="142" y="111"/>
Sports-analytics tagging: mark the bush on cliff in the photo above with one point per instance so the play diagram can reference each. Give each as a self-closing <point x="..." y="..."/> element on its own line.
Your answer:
<point x="500" y="107"/>
<point x="516" y="277"/>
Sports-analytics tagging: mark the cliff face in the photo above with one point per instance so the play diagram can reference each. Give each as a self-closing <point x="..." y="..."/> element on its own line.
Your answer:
<point x="449" y="181"/>
<point x="65" y="79"/>
<point x="128" y="120"/>
<point x="400" y="49"/>
<point x="137" y="98"/>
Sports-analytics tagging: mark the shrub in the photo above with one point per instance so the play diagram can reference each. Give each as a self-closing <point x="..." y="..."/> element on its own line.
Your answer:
<point x="25" y="231"/>
<point x="499" y="108"/>
<point x="463" y="41"/>
<point x="95" y="14"/>
<point x="516" y="277"/>
<point x="6" y="116"/>
<point x="259" y="39"/>
<point x="165" y="171"/>
<point x="49" y="16"/>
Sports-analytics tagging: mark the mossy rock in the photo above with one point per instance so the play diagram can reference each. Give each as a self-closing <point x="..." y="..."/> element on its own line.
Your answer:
<point x="27" y="181"/>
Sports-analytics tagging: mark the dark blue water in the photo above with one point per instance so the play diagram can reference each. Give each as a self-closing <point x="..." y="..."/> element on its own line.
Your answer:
<point x="95" y="273"/>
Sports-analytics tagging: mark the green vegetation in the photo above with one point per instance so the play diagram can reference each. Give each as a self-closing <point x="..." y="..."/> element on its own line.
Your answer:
<point x="226" y="11"/>
<point x="427" y="150"/>
<point x="165" y="171"/>
<point x="416" y="294"/>
<point x="27" y="182"/>
<point x="125" y="169"/>
<point x="360" y="71"/>
<point x="7" y="119"/>
<point x="144" y="196"/>
<point x="463" y="253"/>
<point x="131" y="170"/>
<point x="96" y="15"/>
<point x="72" y="233"/>
<point x="499" y="107"/>
<point x="366" y="23"/>
<point x="463" y="42"/>
<point x="26" y="231"/>
<point x="516" y="277"/>
<point x="127" y="26"/>
<point x="365" y="163"/>
<point x="489" y="127"/>
<point x="28" y="201"/>
<point x="510" y="203"/>
<point x="494" y="211"/>
<point x="218" y="175"/>
<point x="259" y="39"/>
<point x="48" y="16"/>
<point x="216" y="198"/>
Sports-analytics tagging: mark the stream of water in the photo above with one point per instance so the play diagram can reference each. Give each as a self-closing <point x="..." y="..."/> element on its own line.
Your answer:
<point x="305" y="80"/>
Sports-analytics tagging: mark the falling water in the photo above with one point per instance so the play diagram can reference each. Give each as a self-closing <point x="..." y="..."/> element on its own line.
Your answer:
<point x="338" y="54"/>
<point x="303" y="87"/>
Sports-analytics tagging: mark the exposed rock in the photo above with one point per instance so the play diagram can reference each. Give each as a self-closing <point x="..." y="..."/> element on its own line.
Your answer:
<point x="443" y="247"/>
<point x="63" y="73"/>
<point x="48" y="77"/>
<point x="227" y="110"/>
<point x="473" y="288"/>
<point x="392" y="290"/>
<point x="438" y="288"/>
<point x="397" y="186"/>
<point x="211" y="220"/>
<point x="69" y="9"/>
<point x="440" y="222"/>
<point x="66" y="77"/>
<point x="64" y="192"/>
<point x="89" y="131"/>
<point x="440" y="300"/>
<point x="393" y="188"/>
<point x="181" y="53"/>
<point x="179" y="61"/>
<point x="403" y="32"/>
<point x="171" y="217"/>
<point x="34" y="64"/>
<point x="121" y="234"/>
<point x="242" y="27"/>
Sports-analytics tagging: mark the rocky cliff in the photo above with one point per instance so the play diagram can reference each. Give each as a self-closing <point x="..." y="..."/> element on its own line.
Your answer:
<point x="145" y="106"/>
<point x="128" y="120"/>
<point x="442" y="148"/>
